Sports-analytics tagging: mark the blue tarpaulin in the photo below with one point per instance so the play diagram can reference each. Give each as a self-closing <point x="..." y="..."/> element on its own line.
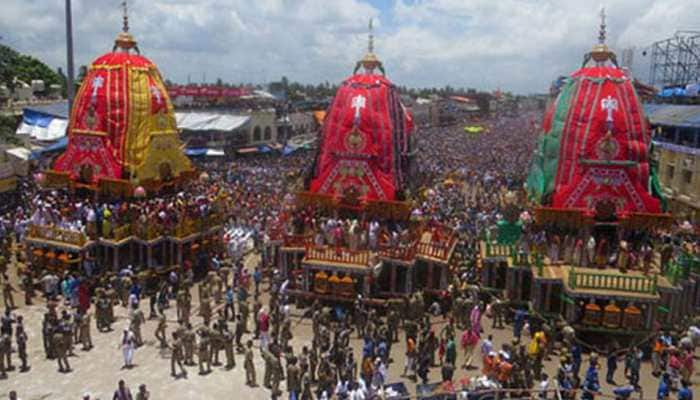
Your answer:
<point x="264" y="149"/>
<point x="59" y="145"/>
<point x="287" y="150"/>
<point x="194" y="152"/>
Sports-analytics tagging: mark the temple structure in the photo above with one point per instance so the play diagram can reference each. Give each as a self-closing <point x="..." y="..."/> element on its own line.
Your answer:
<point x="122" y="131"/>
<point x="355" y="193"/>
<point x="365" y="146"/>
<point x="592" y="162"/>
<point x="585" y="257"/>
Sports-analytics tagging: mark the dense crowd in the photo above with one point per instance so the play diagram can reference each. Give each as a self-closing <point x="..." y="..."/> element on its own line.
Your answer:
<point x="463" y="182"/>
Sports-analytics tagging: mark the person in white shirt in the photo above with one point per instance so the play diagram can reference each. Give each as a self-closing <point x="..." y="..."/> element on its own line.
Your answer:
<point x="543" y="387"/>
<point x="127" y="345"/>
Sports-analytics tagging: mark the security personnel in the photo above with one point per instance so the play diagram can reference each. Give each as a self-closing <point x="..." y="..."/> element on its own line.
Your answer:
<point x="177" y="356"/>
<point x="160" y="331"/>
<point x="203" y="354"/>
<point x="189" y="340"/>
<point x="228" y="349"/>
<point x="249" y="366"/>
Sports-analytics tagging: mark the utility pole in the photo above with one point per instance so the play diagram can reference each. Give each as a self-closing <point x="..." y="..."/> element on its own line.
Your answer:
<point x="70" y="89"/>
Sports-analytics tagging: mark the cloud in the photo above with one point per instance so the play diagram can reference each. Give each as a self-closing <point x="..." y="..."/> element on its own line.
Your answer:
<point x="520" y="45"/>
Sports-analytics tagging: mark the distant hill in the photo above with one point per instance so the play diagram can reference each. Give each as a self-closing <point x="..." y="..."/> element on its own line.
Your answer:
<point x="25" y="68"/>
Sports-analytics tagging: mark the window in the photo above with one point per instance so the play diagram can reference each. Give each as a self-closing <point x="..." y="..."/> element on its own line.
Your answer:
<point x="687" y="177"/>
<point x="256" y="134"/>
<point x="268" y="133"/>
<point x="670" y="170"/>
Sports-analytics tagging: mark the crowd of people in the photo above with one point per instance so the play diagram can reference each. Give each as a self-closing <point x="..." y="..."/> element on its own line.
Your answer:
<point x="463" y="182"/>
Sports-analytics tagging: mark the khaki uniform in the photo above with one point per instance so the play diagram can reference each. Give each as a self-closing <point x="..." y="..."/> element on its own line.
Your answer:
<point x="5" y="351"/>
<point x="276" y="376"/>
<point x="205" y="311"/>
<point x="177" y="357"/>
<point x="136" y="321"/>
<point x="249" y="367"/>
<point x="203" y="355"/>
<point x="294" y="379"/>
<point x="21" y="337"/>
<point x="160" y="331"/>
<point x="84" y="332"/>
<point x="61" y="345"/>
<point x="7" y="298"/>
<point x="267" y="375"/>
<point x="184" y="304"/>
<point x="228" y="349"/>
<point x="245" y="311"/>
<point x="217" y="285"/>
<point x="189" y="339"/>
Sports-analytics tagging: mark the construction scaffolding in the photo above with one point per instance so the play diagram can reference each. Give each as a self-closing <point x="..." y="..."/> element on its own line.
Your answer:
<point x="676" y="61"/>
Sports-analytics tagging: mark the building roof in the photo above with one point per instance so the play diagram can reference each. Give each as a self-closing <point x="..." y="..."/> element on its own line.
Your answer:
<point x="200" y="121"/>
<point x="58" y="109"/>
<point x="673" y="114"/>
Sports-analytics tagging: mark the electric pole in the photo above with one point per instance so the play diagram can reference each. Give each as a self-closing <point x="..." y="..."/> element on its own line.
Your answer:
<point x="70" y="89"/>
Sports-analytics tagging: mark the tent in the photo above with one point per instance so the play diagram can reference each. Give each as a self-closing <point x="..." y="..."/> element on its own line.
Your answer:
<point x="42" y="124"/>
<point x="199" y="121"/>
<point x="203" y="151"/>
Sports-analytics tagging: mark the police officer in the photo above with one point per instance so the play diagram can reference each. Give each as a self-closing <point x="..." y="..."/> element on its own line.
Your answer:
<point x="189" y="340"/>
<point x="177" y="356"/>
<point x="160" y="331"/>
<point x="249" y="366"/>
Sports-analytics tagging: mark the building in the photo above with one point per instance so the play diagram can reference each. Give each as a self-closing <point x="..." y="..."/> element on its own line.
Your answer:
<point x="228" y="131"/>
<point x="676" y="143"/>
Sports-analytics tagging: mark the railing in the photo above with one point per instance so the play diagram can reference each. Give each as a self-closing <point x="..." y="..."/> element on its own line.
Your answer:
<point x="185" y="228"/>
<point x="57" y="234"/>
<point x="121" y="232"/>
<point x="499" y="250"/>
<point x="153" y="232"/>
<point x="439" y="251"/>
<point x="338" y="255"/>
<point x="622" y="283"/>
<point x="405" y="253"/>
<point x="298" y="240"/>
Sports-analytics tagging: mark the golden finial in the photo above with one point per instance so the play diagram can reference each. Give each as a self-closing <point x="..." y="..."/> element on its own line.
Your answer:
<point x="601" y="32"/>
<point x="601" y="53"/>
<point x="125" y="16"/>
<point x="124" y="39"/>
<point x="370" y="62"/>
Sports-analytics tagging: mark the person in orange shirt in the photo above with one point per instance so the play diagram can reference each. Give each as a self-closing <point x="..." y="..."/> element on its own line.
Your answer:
<point x="504" y="370"/>
<point x="490" y="365"/>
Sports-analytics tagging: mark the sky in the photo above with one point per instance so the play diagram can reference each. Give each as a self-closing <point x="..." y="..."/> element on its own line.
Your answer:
<point x="515" y="45"/>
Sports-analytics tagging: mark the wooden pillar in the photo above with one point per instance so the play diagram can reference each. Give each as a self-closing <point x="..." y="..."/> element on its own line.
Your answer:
<point x="180" y="254"/>
<point x="548" y="297"/>
<point x="537" y="295"/>
<point x="409" y="277"/>
<point x="305" y="275"/>
<point x="443" y="276"/>
<point x="115" y="258"/>
<point x="365" y="285"/>
<point x="392" y="286"/>
<point x="149" y="251"/>
<point x="429" y="283"/>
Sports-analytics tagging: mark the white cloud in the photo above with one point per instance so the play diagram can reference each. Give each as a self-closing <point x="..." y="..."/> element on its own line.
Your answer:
<point x="520" y="45"/>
